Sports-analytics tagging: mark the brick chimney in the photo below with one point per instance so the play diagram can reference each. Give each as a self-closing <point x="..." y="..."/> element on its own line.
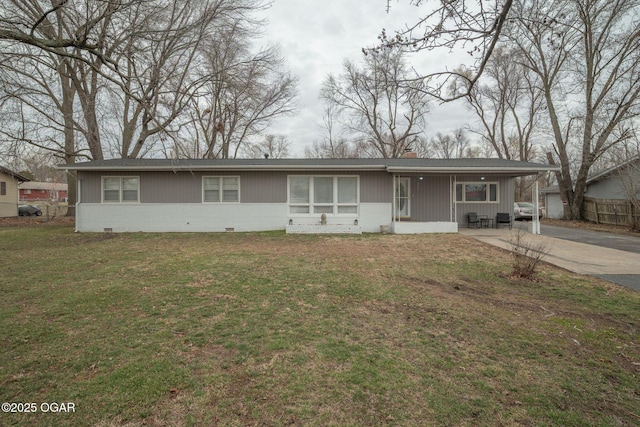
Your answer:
<point x="409" y="154"/>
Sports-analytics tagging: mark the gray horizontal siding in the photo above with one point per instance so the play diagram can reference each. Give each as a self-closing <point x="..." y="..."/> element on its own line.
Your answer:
<point x="609" y="188"/>
<point x="376" y="187"/>
<point x="163" y="187"/>
<point x="505" y="198"/>
<point x="255" y="187"/>
<point x="430" y="198"/>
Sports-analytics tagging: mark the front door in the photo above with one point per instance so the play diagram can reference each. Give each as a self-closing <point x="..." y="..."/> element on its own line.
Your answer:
<point x="403" y="201"/>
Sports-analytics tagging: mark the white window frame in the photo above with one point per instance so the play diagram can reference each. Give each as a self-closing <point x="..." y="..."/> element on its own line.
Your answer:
<point x="487" y="183"/>
<point x="334" y="204"/>
<point x="121" y="189"/>
<point x="221" y="189"/>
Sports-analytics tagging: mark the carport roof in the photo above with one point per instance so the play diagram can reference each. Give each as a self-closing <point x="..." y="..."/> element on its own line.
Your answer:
<point x="402" y="165"/>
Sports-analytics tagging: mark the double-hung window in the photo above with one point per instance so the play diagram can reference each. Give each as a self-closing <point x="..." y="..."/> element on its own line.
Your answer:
<point x="120" y="189"/>
<point x="323" y="194"/>
<point x="221" y="189"/>
<point x="477" y="192"/>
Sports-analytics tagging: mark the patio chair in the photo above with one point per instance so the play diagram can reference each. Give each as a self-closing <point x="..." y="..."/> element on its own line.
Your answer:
<point x="473" y="219"/>
<point x="503" y="218"/>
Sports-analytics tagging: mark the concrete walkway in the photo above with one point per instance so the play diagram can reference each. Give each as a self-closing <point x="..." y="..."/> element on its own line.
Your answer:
<point x="582" y="258"/>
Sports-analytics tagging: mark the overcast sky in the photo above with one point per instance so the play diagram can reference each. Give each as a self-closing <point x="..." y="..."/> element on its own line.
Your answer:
<point x="316" y="36"/>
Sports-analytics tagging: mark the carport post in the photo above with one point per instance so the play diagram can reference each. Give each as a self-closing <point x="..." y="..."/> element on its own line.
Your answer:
<point x="535" y="223"/>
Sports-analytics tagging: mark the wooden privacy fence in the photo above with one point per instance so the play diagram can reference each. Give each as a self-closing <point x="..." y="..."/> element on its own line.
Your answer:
<point x="603" y="211"/>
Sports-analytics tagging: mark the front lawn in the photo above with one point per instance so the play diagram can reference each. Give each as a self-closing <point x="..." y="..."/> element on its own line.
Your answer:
<point x="269" y="329"/>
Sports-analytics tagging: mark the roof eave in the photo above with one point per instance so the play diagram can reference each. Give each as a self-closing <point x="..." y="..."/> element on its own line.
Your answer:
<point x="15" y="175"/>
<point x="476" y="169"/>
<point x="225" y="168"/>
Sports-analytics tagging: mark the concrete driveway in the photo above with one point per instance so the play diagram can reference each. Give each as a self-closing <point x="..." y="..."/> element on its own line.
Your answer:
<point x="608" y="256"/>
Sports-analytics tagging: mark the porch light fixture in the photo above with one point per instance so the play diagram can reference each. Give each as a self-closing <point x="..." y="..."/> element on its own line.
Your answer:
<point x="421" y="177"/>
<point x="482" y="178"/>
<point x="355" y="222"/>
<point x="290" y="221"/>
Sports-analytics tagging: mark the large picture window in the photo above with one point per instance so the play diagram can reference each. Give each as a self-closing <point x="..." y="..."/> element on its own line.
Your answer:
<point x="221" y="189"/>
<point x="477" y="192"/>
<point x="323" y="194"/>
<point x="120" y="189"/>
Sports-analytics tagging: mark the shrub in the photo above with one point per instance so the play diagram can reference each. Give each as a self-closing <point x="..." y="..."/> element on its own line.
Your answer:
<point x="527" y="255"/>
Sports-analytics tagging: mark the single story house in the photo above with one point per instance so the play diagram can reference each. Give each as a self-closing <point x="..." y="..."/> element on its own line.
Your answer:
<point x="43" y="191"/>
<point x="617" y="182"/>
<point x="9" y="182"/>
<point x="406" y="195"/>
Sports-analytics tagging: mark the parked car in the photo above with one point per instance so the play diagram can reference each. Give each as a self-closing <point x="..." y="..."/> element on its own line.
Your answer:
<point x="29" y="210"/>
<point x="524" y="211"/>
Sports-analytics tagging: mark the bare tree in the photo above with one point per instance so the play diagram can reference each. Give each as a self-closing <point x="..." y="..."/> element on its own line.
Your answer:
<point x="105" y="78"/>
<point x="473" y="25"/>
<point x="451" y="146"/>
<point x="339" y="149"/>
<point x="586" y="58"/>
<point x="143" y="75"/>
<point x="508" y="104"/>
<point x="41" y="166"/>
<point x="380" y="104"/>
<point x="334" y="145"/>
<point x="242" y="93"/>
<point x="38" y="102"/>
<point x="61" y="27"/>
<point x="160" y="65"/>
<point x="271" y="147"/>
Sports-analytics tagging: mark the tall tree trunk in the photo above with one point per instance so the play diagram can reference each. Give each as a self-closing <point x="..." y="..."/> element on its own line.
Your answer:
<point x="68" y="94"/>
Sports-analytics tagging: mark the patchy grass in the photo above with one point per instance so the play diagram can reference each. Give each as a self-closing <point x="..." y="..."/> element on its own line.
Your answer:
<point x="273" y="329"/>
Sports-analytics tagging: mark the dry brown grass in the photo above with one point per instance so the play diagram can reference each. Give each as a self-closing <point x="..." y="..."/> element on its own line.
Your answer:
<point x="587" y="225"/>
<point x="268" y="329"/>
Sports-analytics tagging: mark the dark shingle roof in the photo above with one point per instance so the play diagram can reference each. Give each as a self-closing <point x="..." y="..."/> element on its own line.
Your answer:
<point x="391" y="165"/>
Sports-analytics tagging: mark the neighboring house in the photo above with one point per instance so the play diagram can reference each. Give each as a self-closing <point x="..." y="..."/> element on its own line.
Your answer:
<point x="297" y="195"/>
<point x="554" y="206"/>
<point x="9" y="182"/>
<point x="43" y="192"/>
<point x="612" y="184"/>
<point x="615" y="183"/>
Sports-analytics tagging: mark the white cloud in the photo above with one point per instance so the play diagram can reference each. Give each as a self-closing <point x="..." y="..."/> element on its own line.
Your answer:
<point x="317" y="36"/>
